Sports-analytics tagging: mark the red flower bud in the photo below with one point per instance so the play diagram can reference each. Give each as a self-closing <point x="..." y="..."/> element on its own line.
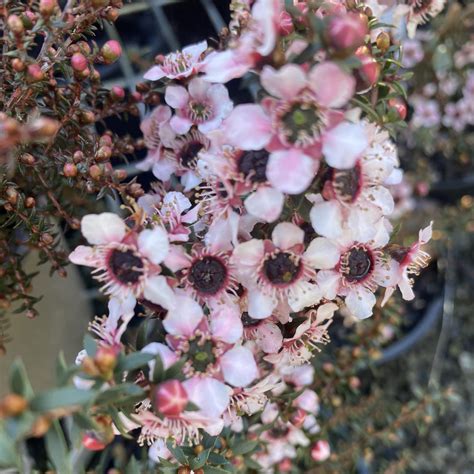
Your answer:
<point x="91" y="442"/>
<point x="78" y="62"/>
<point x="320" y="451"/>
<point x="169" y="398"/>
<point x="368" y="73"/>
<point x="117" y="93"/>
<point x="298" y="418"/>
<point x="399" y="106"/>
<point x="285" y="24"/>
<point x="347" y="32"/>
<point x="70" y="170"/>
<point x="111" y="51"/>
<point x="35" y="74"/>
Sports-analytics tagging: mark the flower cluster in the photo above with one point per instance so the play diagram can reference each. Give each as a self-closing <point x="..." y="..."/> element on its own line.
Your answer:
<point x="269" y="217"/>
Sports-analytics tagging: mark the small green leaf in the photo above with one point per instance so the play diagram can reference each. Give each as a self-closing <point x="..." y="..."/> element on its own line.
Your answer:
<point x="90" y="345"/>
<point x="8" y="457"/>
<point x="177" y="452"/>
<point x="57" y="448"/>
<point x="19" y="381"/>
<point x="133" y="467"/>
<point x="215" y="470"/>
<point x="198" y="461"/>
<point x="244" y="447"/>
<point x="134" y="361"/>
<point x="120" y="394"/>
<point x="60" y="398"/>
<point x="158" y="370"/>
<point x="176" y="370"/>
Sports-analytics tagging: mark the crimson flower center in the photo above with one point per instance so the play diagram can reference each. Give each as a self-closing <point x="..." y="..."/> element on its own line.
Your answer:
<point x="208" y="275"/>
<point x="188" y="155"/>
<point x="357" y="264"/>
<point x="346" y="184"/>
<point x="253" y="165"/>
<point x="282" y="268"/>
<point x="126" y="266"/>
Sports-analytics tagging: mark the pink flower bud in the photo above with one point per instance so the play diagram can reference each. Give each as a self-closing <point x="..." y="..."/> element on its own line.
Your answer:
<point x="169" y="398"/>
<point x="320" y="451"/>
<point x="399" y="106"/>
<point x="285" y="24"/>
<point x="347" y="32"/>
<point x="70" y="170"/>
<point x="111" y="51"/>
<point x="78" y="62"/>
<point x="91" y="442"/>
<point x="368" y="73"/>
<point x="35" y="74"/>
<point x="298" y="418"/>
<point x="117" y="93"/>
<point x="15" y="25"/>
<point x="47" y="7"/>
<point x="285" y="465"/>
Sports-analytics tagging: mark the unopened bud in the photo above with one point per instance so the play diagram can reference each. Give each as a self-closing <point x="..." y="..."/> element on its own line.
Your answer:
<point x="383" y="41"/>
<point x="46" y="239"/>
<point x="47" y="7"/>
<point x="34" y="73"/>
<point x="103" y="154"/>
<point x="15" y="25"/>
<point x="347" y="32"/>
<point x="12" y="195"/>
<point x="120" y="175"/>
<point x="111" y="51"/>
<point x="117" y="93"/>
<point x="44" y="127"/>
<point x="13" y="405"/>
<point x="112" y="14"/>
<point x="27" y="159"/>
<point x="399" y="106"/>
<point x="105" y="360"/>
<point x="79" y="62"/>
<point x="169" y="398"/>
<point x="87" y="117"/>
<point x="18" y="65"/>
<point x="95" y="172"/>
<point x="30" y="202"/>
<point x="368" y="73"/>
<point x="40" y="427"/>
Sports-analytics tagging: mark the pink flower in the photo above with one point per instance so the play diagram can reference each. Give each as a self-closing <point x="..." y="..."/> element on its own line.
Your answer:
<point x="409" y="261"/>
<point x="126" y="262"/>
<point x="276" y="272"/>
<point x="202" y="104"/>
<point x="412" y="53"/>
<point x="179" y="65"/>
<point x="169" y="398"/>
<point x="320" y="451"/>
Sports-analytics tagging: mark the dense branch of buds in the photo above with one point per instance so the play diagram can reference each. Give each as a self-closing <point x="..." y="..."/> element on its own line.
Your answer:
<point x="268" y="217"/>
<point x="50" y="156"/>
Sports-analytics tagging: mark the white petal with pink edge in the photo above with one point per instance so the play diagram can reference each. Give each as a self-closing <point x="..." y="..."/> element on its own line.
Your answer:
<point x="154" y="244"/>
<point x="185" y="318"/>
<point x="291" y="171"/>
<point x="176" y="96"/>
<point x="326" y="219"/>
<point x="269" y="338"/>
<point x="226" y="324"/>
<point x="322" y="253"/>
<point x="159" y="292"/>
<point x="286" y="235"/>
<point x="344" y="144"/>
<point x="261" y="305"/>
<point x="103" y="228"/>
<point x="238" y="366"/>
<point x="248" y="254"/>
<point x="266" y="203"/>
<point x="284" y="83"/>
<point x="84" y="255"/>
<point x="211" y="396"/>
<point x="332" y="86"/>
<point x="360" y="302"/>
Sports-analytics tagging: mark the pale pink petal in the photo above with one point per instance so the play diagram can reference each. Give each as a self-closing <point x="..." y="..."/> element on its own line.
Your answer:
<point x="269" y="338"/>
<point x="302" y="375"/>
<point x="248" y="254"/>
<point x="238" y="366"/>
<point x="103" y="228"/>
<point x="260" y="305"/>
<point x="154" y="244"/>
<point x="159" y="292"/>
<point x="195" y="50"/>
<point x="333" y="87"/>
<point x="382" y="198"/>
<point x="154" y="74"/>
<point x="328" y="282"/>
<point x="84" y="255"/>
<point x="226" y="324"/>
<point x="285" y="82"/>
<point x="225" y="65"/>
<point x="176" y="96"/>
<point x="211" y="396"/>
<point x="360" y="302"/>
<point x="387" y="274"/>
<point x="425" y="234"/>
<point x="177" y="258"/>
<point x="185" y="318"/>
<point x="219" y="97"/>
<point x="265" y="13"/>
<point x="266" y="203"/>
<point x="248" y="127"/>
<point x="158" y="450"/>
<point x="308" y="401"/>
<point x="306" y="294"/>
<point x="326" y="219"/>
<point x="190" y="180"/>
<point x="163" y="169"/>
<point x="406" y="288"/>
<point x="291" y="171"/>
<point x="322" y="254"/>
<point x="344" y="144"/>
<point x="180" y="124"/>
<point x="286" y="235"/>
<point x="176" y="199"/>
<point x="198" y="88"/>
<point x="168" y="357"/>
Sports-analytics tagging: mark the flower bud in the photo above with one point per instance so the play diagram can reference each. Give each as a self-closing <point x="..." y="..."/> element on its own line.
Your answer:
<point x="15" y="25"/>
<point x="285" y="465"/>
<point x="368" y="73"/>
<point x="92" y="442"/>
<point x="285" y="24"/>
<point x="112" y="14"/>
<point x="27" y="159"/>
<point x="347" y="32"/>
<point x="105" y="359"/>
<point x="12" y="195"/>
<point x="298" y="418"/>
<point x="79" y="62"/>
<point x="18" y="65"/>
<point x="103" y="153"/>
<point x="399" y="106"/>
<point x="169" y="398"/>
<point x="120" y="175"/>
<point x="320" y="451"/>
<point x="43" y="127"/>
<point x="40" y="427"/>
<point x="13" y="405"/>
<point x="87" y="117"/>
<point x="111" y="51"/>
<point x="34" y="73"/>
<point x="30" y="202"/>
<point x="46" y="239"/>
<point x="117" y="93"/>
<point x="99" y="3"/>
<point x="383" y="41"/>
<point x="95" y="172"/>
<point x="47" y="7"/>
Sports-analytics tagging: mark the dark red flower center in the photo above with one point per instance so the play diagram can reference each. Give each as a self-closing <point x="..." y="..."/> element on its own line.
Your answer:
<point x="253" y="165"/>
<point x="282" y="268"/>
<point x="188" y="155"/>
<point x="208" y="275"/>
<point x="126" y="266"/>
<point x="346" y="184"/>
<point x="358" y="264"/>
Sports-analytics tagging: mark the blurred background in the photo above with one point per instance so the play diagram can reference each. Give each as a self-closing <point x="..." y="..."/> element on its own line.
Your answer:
<point x="397" y="390"/>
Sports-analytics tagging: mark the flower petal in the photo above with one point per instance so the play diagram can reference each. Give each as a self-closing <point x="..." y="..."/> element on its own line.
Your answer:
<point x="285" y="82"/>
<point x="322" y="254"/>
<point x="84" y="255"/>
<point x="260" y="305"/>
<point x="238" y="366"/>
<point x="286" y="235"/>
<point x="168" y="357"/>
<point x="248" y="127"/>
<point x="154" y="244"/>
<point x="291" y="171"/>
<point x="360" y="303"/>
<point x="266" y="203"/>
<point x="344" y="144"/>
<point x="326" y="219"/>
<point x="185" y="318"/>
<point x="226" y="324"/>
<point x="103" y="228"/>
<point x="269" y="338"/>
<point x="154" y="74"/>
<point x="176" y="96"/>
<point x="211" y="396"/>
<point x="159" y="292"/>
